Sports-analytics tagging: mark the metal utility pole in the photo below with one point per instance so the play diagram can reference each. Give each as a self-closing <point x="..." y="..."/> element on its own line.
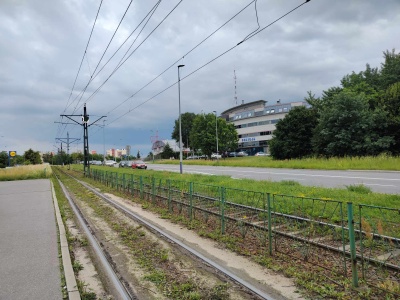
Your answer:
<point x="85" y="121"/>
<point x="68" y="143"/>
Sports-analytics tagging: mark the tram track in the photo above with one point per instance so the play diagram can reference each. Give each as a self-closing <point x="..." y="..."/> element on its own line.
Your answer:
<point x="119" y="283"/>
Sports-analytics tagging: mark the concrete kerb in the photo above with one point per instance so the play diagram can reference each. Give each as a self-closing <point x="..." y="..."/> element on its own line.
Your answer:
<point x="72" y="288"/>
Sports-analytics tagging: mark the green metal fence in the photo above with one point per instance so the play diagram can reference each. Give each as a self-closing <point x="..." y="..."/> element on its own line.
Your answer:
<point x="359" y="244"/>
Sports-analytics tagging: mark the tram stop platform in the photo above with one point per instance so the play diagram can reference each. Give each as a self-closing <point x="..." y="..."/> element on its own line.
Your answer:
<point x="29" y="243"/>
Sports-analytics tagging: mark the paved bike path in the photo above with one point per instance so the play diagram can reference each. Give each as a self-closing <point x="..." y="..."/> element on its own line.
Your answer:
<point x="29" y="261"/>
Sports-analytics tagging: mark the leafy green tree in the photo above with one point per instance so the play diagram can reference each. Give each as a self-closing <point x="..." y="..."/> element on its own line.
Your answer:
<point x="347" y="127"/>
<point x="203" y="134"/>
<point x="187" y="124"/>
<point x="168" y="152"/>
<point x="391" y="104"/>
<point x="32" y="157"/>
<point x="390" y="69"/>
<point x="3" y="159"/>
<point x="76" y="157"/>
<point x="293" y="134"/>
<point x="138" y="154"/>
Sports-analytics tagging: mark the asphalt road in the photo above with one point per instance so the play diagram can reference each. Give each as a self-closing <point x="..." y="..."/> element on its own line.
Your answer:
<point x="387" y="182"/>
<point x="29" y="258"/>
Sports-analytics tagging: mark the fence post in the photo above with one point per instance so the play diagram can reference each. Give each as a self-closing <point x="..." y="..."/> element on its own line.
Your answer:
<point x="153" y="190"/>
<point x="269" y="223"/>
<point x="169" y="195"/>
<point x="352" y="244"/>
<point x="141" y="187"/>
<point x="190" y="200"/>
<point x="132" y="190"/>
<point x="124" y="182"/>
<point x="222" y="203"/>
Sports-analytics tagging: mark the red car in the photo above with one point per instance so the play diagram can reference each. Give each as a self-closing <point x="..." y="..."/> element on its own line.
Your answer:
<point x="139" y="164"/>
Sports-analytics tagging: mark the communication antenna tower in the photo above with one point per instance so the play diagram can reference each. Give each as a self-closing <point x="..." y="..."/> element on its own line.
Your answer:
<point x="234" y="77"/>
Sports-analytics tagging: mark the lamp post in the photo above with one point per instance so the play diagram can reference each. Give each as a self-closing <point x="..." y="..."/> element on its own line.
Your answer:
<point x="104" y="144"/>
<point x="180" y="121"/>
<point x="216" y="129"/>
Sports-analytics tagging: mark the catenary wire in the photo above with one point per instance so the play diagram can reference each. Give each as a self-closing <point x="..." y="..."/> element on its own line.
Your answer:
<point x="186" y="54"/>
<point x="93" y="77"/>
<point x="201" y="67"/>
<point x="145" y="39"/>
<point x="104" y="52"/>
<point x="80" y="65"/>
<point x="119" y="63"/>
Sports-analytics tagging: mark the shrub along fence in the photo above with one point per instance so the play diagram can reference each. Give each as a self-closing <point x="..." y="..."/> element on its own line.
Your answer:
<point x="354" y="241"/>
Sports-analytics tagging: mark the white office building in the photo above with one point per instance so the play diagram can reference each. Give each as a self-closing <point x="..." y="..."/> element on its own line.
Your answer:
<point x="255" y="122"/>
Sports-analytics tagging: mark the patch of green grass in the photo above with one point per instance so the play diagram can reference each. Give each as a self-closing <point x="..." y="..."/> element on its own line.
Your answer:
<point x="359" y="188"/>
<point x="380" y="162"/>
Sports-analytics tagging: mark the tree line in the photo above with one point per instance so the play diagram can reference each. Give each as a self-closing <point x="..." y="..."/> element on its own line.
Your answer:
<point x="199" y="133"/>
<point x="361" y="117"/>
<point x="30" y="157"/>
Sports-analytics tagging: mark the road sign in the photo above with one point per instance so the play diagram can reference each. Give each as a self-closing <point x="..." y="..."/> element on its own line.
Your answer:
<point x="12" y="153"/>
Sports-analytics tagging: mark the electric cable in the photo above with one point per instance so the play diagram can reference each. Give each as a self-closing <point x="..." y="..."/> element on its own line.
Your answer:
<point x="186" y="54"/>
<point x="104" y="52"/>
<point x="117" y="68"/>
<point x="93" y="77"/>
<point x="212" y="60"/>
<point x="80" y="65"/>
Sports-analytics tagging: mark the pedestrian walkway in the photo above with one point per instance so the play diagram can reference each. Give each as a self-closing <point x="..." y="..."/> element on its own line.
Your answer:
<point x="29" y="260"/>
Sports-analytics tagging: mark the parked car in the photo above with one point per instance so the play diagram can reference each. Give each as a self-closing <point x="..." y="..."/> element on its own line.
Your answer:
<point x="192" y="157"/>
<point x="261" y="154"/>
<point x="242" y="153"/>
<point x="109" y="163"/>
<point x="139" y="164"/>
<point x="232" y="154"/>
<point x="216" y="156"/>
<point x="125" y="164"/>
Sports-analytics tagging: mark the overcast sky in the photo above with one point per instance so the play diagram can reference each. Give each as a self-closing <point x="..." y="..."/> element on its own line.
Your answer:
<point x="42" y="43"/>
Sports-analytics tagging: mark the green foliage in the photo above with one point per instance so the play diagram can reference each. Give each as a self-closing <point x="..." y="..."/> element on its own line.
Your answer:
<point x="346" y="128"/>
<point x="360" y="188"/>
<point x="203" y="134"/>
<point x="168" y="152"/>
<point x="186" y="125"/>
<point x="359" y="118"/>
<point x="293" y="134"/>
<point x="33" y="157"/>
<point x="3" y="159"/>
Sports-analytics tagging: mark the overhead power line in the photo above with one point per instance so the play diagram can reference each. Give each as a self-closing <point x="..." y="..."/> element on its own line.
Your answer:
<point x="83" y="57"/>
<point x="104" y="52"/>
<point x="184" y="55"/>
<point x="133" y="51"/>
<point x="112" y="56"/>
<point x="209" y="62"/>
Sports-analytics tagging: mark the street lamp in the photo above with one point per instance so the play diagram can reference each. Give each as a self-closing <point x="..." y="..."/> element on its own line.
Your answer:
<point x="216" y="129"/>
<point x="180" y="121"/>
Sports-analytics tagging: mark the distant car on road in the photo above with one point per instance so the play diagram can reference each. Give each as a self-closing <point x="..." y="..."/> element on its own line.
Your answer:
<point x="139" y="164"/>
<point x="261" y="154"/>
<point x="232" y="154"/>
<point x="109" y="163"/>
<point x="216" y="156"/>
<point x="125" y="164"/>
<point x="192" y="157"/>
<point x="242" y="153"/>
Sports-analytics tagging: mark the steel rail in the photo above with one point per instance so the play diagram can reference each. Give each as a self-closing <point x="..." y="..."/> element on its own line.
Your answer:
<point x="169" y="237"/>
<point x="122" y="291"/>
